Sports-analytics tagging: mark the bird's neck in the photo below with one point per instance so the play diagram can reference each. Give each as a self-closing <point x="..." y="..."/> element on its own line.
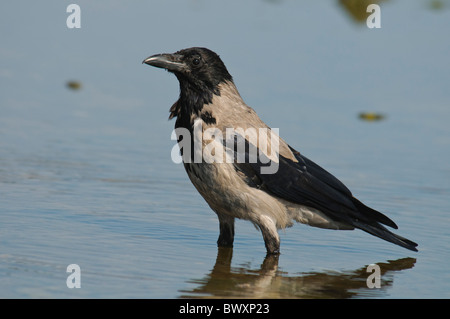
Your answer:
<point x="192" y="98"/>
<point x="191" y="102"/>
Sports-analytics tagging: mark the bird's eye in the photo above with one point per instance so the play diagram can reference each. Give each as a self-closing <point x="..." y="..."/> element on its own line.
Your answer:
<point x="196" y="61"/>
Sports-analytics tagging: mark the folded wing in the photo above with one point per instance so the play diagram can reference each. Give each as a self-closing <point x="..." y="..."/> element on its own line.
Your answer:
<point x="306" y="183"/>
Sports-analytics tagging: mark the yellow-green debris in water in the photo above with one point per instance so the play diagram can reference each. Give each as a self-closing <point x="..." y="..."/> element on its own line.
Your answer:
<point x="73" y="85"/>
<point x="371" y="116"/>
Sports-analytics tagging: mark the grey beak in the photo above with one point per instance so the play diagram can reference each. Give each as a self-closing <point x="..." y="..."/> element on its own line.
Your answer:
<point x="170" y="62"/>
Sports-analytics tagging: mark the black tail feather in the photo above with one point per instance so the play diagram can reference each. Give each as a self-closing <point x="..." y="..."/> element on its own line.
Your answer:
<point x="381" y="232"/>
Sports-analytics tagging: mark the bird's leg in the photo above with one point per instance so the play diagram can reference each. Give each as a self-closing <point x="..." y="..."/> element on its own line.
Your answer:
<point x="270" y="235"/>
<point x="226" y="237"/>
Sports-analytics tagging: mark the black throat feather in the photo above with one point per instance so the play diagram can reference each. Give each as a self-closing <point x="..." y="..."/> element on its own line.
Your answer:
<point x="189" y="107"/>
<point x="192" y="99"/>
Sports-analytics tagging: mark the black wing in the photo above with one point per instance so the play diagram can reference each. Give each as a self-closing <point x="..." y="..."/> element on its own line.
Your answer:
<point x="306" y="183"/>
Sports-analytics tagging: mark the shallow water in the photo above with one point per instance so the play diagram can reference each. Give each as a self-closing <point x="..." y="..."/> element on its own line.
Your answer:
<point x="86" y="175"/>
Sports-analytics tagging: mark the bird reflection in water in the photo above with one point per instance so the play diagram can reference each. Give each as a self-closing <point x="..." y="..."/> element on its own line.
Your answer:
<point x="225" y="281"/>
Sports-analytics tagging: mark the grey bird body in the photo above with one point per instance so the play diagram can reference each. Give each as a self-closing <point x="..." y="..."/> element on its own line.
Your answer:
<point x="298" y="190"/>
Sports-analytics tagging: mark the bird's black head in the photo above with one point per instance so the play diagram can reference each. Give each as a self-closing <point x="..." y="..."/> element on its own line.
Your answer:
<point x="199" y="71"/>
<point x="198" y="67"/>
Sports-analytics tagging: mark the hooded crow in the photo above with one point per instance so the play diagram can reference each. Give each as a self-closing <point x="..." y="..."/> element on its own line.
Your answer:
<point x="293" y="188"/>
